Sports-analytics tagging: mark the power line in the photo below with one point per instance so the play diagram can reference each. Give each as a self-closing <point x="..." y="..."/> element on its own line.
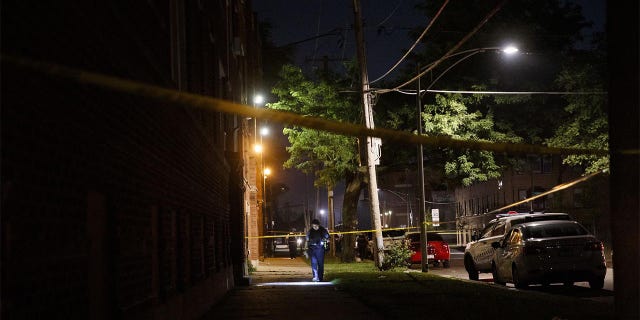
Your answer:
<point x="413" y="92"/>
<point x="456" y="47"/>
<point x="415" y="43"/>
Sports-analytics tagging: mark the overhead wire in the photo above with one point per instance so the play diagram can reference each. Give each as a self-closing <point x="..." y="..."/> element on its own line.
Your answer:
<point x="415" y="43"/>
<point x="452" y="50"/>
<point x="391" y="14"/>
<point x="521" y="92"/>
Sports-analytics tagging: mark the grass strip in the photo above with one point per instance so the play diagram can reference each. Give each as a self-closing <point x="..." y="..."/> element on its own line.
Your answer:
<point x="398" y="294"/>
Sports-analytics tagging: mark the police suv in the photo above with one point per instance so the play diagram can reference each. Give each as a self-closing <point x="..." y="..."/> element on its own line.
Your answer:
<point x="478" y="253"/>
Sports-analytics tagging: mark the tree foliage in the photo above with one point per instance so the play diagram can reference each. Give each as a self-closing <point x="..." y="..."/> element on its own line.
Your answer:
<point x="585" y="124"/>
<point x="326" y="155"/>
<point x="449" y="116"/>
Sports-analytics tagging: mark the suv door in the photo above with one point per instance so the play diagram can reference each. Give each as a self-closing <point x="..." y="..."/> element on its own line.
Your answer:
<point x="482" y="250"/>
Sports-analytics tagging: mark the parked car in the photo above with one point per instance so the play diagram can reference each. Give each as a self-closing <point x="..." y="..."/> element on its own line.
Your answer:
<point x="478" y="253"/>
<point x="437" y="249"/>
<point x="546" y="252"/>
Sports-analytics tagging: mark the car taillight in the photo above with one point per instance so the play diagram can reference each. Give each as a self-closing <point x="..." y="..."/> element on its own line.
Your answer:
<point x="594" y="246"/>
<point x="533" y="250"/>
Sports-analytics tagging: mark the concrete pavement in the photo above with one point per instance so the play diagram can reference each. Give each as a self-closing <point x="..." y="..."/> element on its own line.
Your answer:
<point x="281" y="288"/>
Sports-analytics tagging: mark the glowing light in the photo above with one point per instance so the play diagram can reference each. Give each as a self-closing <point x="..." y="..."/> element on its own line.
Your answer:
<point x="267" y="171"/>
<point x="258" y="99"/>
<point x="257" y="148"/>
<point x="264" y="131"/>
<point x="510" y="49"/>
<point x="300" y="283"/>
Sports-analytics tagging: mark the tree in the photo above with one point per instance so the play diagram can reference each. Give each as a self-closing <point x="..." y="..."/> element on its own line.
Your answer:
<point x="330" y="157"/>
<point x="450" y="117"/>
<point x="585" y="124"/>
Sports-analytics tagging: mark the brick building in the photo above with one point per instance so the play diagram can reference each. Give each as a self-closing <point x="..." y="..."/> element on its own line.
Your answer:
<point x="115" y="206"/>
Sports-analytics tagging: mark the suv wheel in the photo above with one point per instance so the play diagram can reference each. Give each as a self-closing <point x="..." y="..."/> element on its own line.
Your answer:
<point x="496" y="277"/>
<point x="471" y="268"/>
<point x="446" y="264"/>
<point x="596" y="283"/>
<point x="517" y="282"/>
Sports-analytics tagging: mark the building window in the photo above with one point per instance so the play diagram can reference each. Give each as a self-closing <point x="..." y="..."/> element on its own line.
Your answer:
<point x="535" y="163"/>
<point x="547" y="164"/>
<point x="522" y="194"/>
<point x="578" y="198"/>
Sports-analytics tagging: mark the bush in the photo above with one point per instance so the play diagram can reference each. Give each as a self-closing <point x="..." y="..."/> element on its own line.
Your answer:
<point x="397" y="255"/>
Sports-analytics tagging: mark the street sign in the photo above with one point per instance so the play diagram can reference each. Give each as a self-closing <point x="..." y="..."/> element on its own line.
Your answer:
<point x="435" y="217"/>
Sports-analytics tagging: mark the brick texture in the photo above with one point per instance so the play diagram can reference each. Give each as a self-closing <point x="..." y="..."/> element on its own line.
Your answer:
<point x="114" y="206"/>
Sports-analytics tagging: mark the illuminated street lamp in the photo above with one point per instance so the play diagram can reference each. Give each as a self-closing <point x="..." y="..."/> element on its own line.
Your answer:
<point x="258" y="100"/>
<point x="509" y="50"/>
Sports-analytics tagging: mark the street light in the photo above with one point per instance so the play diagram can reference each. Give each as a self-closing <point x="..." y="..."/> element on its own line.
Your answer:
<point x="509" y="50"/>
<point x="258" y="100"/>
<point x="322" y="212"/>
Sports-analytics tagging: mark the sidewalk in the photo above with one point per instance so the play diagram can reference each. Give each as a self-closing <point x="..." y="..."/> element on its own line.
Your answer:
<point x="281" y="288"/>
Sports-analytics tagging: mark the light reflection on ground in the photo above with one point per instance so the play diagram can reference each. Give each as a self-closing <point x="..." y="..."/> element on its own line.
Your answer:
<point x="297" y="283"/>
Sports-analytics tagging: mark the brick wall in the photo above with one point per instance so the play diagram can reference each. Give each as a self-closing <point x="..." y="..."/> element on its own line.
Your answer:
<point x="114" y="206"/>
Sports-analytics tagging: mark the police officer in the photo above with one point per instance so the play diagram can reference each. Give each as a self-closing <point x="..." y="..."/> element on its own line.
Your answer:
<point x="293" y="245"/>
<point x="317" y="238"/>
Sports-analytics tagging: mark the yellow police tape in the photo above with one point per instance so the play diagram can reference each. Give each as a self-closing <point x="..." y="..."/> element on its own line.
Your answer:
<point x="205" y="102"/>
<point x="300" y="234"/>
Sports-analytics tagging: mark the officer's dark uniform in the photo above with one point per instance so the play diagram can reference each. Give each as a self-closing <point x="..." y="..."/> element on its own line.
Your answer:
<point x="293" y="246"/>
<point x="316" y="240"/>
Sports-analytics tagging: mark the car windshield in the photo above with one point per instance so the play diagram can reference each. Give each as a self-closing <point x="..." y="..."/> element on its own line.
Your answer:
<point x="555" y="230"/>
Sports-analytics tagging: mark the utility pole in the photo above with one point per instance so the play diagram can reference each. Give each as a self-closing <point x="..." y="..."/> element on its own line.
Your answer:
<point x="374" y="204"/>
<point x="424" y="261"/>
<point x="332" y="221"/>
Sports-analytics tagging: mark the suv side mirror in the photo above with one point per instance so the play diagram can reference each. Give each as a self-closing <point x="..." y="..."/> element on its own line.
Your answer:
<point x="495" y="245"/>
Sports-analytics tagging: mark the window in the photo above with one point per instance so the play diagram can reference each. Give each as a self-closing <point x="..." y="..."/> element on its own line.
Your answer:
<point x="547" y="164"/>
<point x="578" y="198"/>
<point x="499" y="229"/>
<point x="535" y="163"/>
<point x="522" y="194"/>
<point x="487" y="231"/>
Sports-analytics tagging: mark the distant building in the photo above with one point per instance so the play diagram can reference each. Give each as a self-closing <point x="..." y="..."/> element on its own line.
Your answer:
<point x="462" y="209"/>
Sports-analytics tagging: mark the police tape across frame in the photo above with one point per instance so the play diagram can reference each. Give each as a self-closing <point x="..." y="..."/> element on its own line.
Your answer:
<point x="298" y="234"/>
<point x="205" y="102"/>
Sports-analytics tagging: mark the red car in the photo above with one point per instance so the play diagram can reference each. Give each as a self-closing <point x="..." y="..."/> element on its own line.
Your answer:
<point x="437" y="249"/>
